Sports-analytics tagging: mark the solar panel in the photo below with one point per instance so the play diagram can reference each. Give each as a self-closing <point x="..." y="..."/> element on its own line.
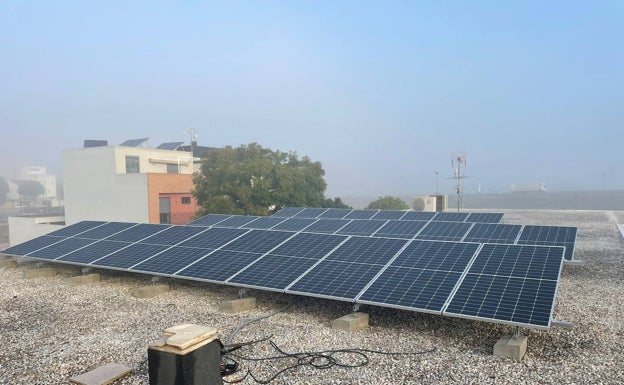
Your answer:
<point x="169" y="145"/>
<point x="28" y="247"/>
<point x="214" y="238"/>
<point x="358" y="227"/>
<point x="258" y="241"/>
<point x="327" y="225"/>
<point x="400" y="229"/>
<point x="273" y="272"/>
<point x="493" y="233"/>
<point x="93" y="252"/>
<point x="105" y="230"/>
<point x="361" y="214"/>
<point x="294" y="224"/>
<point x="61" y="248"/>
<point x="550" y="236"/>
<point x="418" y="216"/>
<point x="444" y="231"/>
<point x="335" y="213"/>
<point x="134" y="142"/>
<point x="263" y="223"/>
<point x="137" y="233"/>
<point x="219" y="265"/>
<point x="173" y="235"/>
<point x="513" y="284"/>
<point x="485" y="217"/>
<point x="306" y="245"/>
<point x="171" y="260"/>
<point x="209" y="220"/>
<point x="450" y="217"/>
<point x="389" y="214"/>
<point x="236" y="221"/>
<point x="76" y="228"/>
<point x="288" y="212"/>
<point x="367" y="250"/>
<point x="434" y="255"/>
<point x="129" y="256"/>
<point x="309" y="213"/>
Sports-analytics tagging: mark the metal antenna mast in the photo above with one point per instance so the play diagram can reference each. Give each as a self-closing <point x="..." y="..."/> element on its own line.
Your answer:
<point x="458" y="159"/>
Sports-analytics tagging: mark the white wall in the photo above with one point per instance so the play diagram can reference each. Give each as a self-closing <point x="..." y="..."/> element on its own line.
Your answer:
<point x="22" y="229"/>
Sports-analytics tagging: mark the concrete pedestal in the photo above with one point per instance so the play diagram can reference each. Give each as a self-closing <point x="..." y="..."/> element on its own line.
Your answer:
<point x="513" y="347"/>
<point x="8" y="263"/>
<point x="39" y="273"/>
<point x="351" y="322"/>
<point x="238" y="305"/>
<point x="83" y="279"/>
<point x="150" y="291"/>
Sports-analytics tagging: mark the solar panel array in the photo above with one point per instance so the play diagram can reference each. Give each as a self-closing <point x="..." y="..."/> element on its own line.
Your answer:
<point x="513" y="284"/>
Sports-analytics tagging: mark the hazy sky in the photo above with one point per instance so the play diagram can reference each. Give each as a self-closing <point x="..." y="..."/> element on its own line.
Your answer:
<point x="381" y="93"/>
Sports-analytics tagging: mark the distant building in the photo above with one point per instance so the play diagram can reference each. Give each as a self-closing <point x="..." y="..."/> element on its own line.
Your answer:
<point x="39" y="174"/>
<point x="128" y="183"/>
<point x="529" y="187"/>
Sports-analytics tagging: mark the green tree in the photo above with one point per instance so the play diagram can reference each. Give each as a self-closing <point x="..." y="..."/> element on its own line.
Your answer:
<point x="30" y="188"/>
<point x="252" y="180"/>
<point x="388" y="203"/>
<point x="4" y="190"/>
<point x="335" y="203"/>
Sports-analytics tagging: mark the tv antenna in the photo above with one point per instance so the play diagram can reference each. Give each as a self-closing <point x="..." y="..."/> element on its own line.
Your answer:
<point x="193" y="134"/>
<point x="458" y="159"/>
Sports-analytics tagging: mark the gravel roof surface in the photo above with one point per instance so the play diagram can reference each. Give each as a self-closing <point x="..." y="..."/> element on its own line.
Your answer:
<point x="52" y="331"/>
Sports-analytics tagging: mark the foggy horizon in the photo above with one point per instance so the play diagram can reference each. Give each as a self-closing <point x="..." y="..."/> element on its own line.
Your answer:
<point x="380" y="94"/>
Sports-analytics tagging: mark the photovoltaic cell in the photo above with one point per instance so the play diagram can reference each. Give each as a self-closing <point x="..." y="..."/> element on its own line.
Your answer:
<point x="550" y="236"/>
<point x="258" y="241"/>
<point x="444" y="231"/>
<point x="335" y="213"/>
<point x="61" y="248"/>
<point x="306" y="245"/>
<point x="535" y="262"/>
<point x="105" y="230"/>
<point x="450" y="217"/>
<point x="485" y="217"/>
<point x="209" y="220"/>
<point x="169" y="145"/>
<point x="327" y="225"/>
<point x="367" y="250"/>
<point x="359" y="227"/>
<point x="493" y="233"/>
<point x="130" y="256"/>
<point x="137" y="233"/>
<point x="236" y="221"/>
<point x="288" y="212"/>
<point x="294" y="224"/>
<point x="28" y="247"/>
<point x="264" y="223"/>
<point x="389" y="214"/>
<point x="76" y="228"/>
<point x="310" y="213"/>
<point x="433" y="255"/>
<point x="171" y="260"/>
<point x="273" y="272"/>
<point x="361" y="214"/>
<point x="400" y="229"/>
<point x="214" y="238"/>
<point x="93" y="252"/>
<point x="173" y="235"/>
<point x="418" y="216"/>
<point x="219" y="265"/>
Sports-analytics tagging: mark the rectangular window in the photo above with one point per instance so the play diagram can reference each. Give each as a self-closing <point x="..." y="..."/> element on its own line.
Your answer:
<point x="172" y="168"/>
<point x="186" y="200"/>
<point x="165" y="210"/>
<point x="132" y="164"/>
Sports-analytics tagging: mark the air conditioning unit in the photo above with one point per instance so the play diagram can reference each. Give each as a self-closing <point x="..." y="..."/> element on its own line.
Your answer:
<point x="430" y="203"/>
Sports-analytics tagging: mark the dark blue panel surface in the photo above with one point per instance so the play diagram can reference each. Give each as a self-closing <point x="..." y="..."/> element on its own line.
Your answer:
<point x="418" y="216"/>
<point x="173" y="235"/>
<point x="272" y="271"/>
<point x="169" y="145"/>
<point x="335" y="213"/>
<point x="209" y="220"/>
<point x="130" y="256"/>
<point x="76" y="228"/>
<point x="94" y="251"/>
<point x="219" y="265"/>
<point x="523" y="261"/>
<point x="264" y="223"/>
<point x="485" y="217"/>
<point x="306" y="245"/>
<point x="214" y="238"/>
<point x="258" y="241"/>
<point x="327" y="225"/>
<point x="496" y="298"/>
<point x="32" y="245"/>
<point x="412" y="288"/>
<point x="311" y="212"/>
<point x="493" y="233"/>
<point x="550" y="236"/>
<point x="401" y="229"/>
<point x="361" y="214"/>
<point x="105" y="230"/>
<point x="294" y="224"/>
<point x="288" y="212"/>
<point x="137" y="233"/>
<point x="361" y="227"/>
<point x="433" y="255"/>
<point x="450" y="217"/>
<point x="444" y="231"/>
<point x="171" y="260"/>
<point x="389" y="214"/>
<point x="367" y="250"/>
<point x="236" y="221"/>
<point x="61" y="248"/>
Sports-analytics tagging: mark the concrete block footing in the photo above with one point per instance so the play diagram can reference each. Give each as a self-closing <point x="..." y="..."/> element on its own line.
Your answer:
<point x="39" y="273"/>
<point x="8" y="263"/>
<point x="150" y="291"/>
<point x="351" y="322"/>
<point x="512" y="347"/>
<point x="83" y="279"/>
<point x="238" y="305"/>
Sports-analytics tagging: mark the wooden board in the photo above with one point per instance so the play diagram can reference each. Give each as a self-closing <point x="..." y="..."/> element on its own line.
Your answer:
<point x="102" y="375"/>
<point x="187" y="335"/>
